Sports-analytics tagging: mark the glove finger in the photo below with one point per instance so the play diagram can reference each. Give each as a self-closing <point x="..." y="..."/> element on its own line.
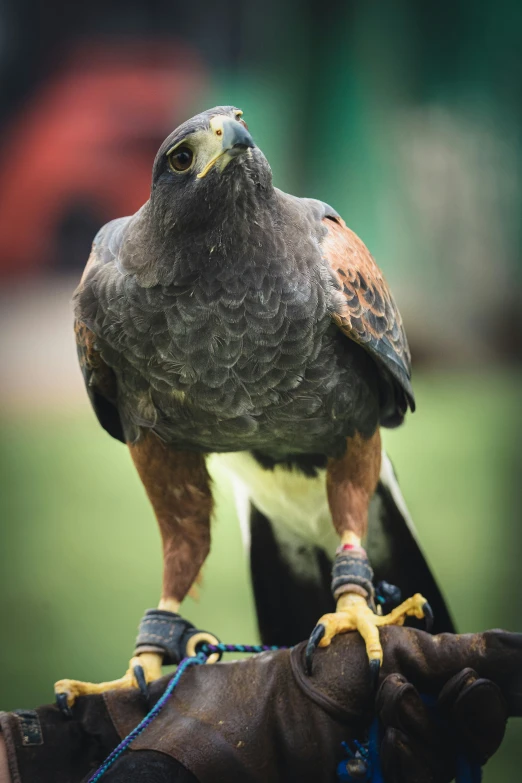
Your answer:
<point x="405" y="760"/>
<point x="478" y="712"/>
<point x="415" y="748"/>
<point x="400" y="706"/>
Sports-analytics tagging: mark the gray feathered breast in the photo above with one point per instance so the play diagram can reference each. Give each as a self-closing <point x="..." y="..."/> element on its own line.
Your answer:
<point x="225" y="342"/>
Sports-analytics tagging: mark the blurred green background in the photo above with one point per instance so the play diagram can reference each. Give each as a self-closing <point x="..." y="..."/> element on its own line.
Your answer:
<point x="406" y="117"/>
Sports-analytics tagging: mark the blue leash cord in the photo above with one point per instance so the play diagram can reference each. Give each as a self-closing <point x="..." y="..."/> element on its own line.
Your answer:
<point x="199" y="659"/>
<point x="124" y="744"/>
<point x="368" y="752"/>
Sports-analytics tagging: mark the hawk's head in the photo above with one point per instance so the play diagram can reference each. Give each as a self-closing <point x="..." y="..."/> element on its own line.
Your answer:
<point x="205" y="168"/>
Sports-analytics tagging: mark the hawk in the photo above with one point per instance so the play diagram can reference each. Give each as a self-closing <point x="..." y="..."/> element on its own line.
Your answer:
<point x="228" y="317"/>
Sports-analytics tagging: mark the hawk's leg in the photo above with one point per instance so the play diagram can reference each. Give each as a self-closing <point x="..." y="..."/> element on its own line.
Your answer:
<point x="351" y="482"/>
<point x="178" y="486"/>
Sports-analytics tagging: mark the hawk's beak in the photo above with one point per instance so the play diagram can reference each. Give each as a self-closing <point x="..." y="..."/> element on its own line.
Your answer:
<point x="235" y="140"/>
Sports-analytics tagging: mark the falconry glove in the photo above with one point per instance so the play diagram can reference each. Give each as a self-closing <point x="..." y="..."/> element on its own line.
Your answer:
<point x="264" y="720"/>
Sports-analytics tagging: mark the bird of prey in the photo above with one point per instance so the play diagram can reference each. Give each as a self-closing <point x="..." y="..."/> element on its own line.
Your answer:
<point x="228" y="317"/>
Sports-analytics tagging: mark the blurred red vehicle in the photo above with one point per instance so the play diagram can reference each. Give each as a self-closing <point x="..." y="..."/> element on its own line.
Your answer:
<point x="80" y="152"/>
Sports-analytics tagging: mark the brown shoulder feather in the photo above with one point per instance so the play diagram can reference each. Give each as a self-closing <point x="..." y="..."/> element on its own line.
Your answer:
<point x="366" y="311"/>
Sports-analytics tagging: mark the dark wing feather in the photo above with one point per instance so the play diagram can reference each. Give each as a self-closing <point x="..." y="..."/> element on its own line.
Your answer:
<point x="289" y="600"/>
<point x="100" y="380"/>
<point x="364" y="307"/>
<point x="288" y="603"/>
<point x="395" y="553"/>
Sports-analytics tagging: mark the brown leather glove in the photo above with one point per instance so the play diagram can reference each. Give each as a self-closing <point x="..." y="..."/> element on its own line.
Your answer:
<point x="420" y="744"/>
<point x="264" y="719"/>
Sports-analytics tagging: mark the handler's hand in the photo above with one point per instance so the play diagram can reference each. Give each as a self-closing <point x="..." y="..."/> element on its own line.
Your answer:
<point x="280" y="719"/>
<point x="420" y="745"/>
<point x="417" y="746"/>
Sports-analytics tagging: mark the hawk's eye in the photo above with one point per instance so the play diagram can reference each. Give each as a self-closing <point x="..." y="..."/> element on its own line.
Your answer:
<point x="181" y="159"/>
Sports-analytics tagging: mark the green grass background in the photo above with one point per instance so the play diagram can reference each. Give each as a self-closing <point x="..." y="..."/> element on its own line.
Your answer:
<point x="80" y="555"/>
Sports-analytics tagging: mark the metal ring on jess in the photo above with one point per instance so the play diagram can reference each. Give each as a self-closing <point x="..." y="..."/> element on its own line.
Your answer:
<point x="202" y="637"/>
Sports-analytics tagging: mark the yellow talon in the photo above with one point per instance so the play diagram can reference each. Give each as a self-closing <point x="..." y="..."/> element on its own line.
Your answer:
<point x="354" y="614"/>
<point x="150" y="662"/>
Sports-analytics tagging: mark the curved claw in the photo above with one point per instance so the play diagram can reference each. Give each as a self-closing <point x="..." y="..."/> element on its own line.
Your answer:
<point x="428" y="617"/>
<point x="139" y="675"/>
<point x="375" y="668"/>
<point x="63" y="704"/>
<point x="315" y="637"/>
